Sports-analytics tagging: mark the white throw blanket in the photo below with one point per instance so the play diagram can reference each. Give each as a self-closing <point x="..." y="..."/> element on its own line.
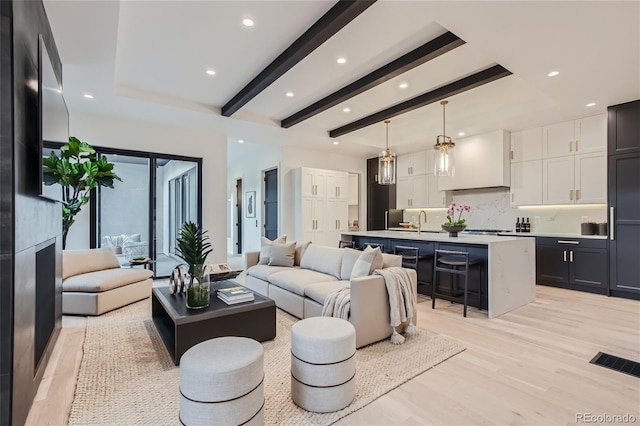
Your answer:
<point x="338" y="304"/>
<point x="402" y="300"/>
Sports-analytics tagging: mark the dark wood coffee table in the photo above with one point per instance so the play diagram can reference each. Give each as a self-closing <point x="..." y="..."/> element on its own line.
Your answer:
<point x="182" y="328"/>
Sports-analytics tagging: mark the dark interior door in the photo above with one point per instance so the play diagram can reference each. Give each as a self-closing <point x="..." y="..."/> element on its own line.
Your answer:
<point x="271" y="204"/>
<point x="239" y="216"/>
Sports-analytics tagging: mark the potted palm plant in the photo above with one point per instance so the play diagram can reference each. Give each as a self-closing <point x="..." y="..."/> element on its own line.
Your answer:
<point x="194" y="247"/>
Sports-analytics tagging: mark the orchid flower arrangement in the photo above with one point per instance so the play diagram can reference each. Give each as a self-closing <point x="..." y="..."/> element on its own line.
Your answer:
<point x="453" y="208"/>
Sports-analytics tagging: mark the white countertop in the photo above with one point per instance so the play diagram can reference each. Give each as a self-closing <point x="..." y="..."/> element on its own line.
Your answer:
<point x="552" y="235"/>
<point x="433" y="236"/>
<point x="513" y="234"/>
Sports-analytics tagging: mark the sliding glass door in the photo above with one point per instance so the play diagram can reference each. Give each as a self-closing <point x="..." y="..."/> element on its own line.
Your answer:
<point x="123" y="212"/>
<point x="176" y="203"/>
<point x="142" y="215"/>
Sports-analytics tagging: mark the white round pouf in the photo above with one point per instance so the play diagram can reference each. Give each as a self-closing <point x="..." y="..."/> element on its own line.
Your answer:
<point x="323" y="364"/>
<point x="221" y="382"/>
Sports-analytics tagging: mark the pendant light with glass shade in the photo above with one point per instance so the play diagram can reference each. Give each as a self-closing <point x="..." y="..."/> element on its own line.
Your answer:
<point x="444" y="164"/>
<point x="387" y="163"/>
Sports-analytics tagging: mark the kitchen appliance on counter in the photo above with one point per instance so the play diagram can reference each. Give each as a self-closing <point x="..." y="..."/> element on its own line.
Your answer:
<point x="393" y="218"/>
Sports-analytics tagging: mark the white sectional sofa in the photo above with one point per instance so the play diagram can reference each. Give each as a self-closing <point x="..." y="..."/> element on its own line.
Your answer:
<point x="302" y="289"/>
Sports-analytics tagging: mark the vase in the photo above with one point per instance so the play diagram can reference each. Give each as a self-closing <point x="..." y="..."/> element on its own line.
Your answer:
<point x="198" y="289"/>
<point x="453" y="229"/>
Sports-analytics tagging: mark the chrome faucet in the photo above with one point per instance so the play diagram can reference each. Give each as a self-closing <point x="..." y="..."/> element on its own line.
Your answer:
<point x="420" y="217"/>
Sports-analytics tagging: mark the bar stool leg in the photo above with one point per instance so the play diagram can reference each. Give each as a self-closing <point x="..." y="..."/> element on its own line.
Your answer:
<point x="466" y="280"/>
<point x="433" y="286"/>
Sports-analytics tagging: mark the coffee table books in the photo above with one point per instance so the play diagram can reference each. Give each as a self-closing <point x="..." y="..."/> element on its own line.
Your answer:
<point x="235" y="295"/>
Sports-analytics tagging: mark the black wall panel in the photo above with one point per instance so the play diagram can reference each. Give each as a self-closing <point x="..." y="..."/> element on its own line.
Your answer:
<point x="27" y="220"/>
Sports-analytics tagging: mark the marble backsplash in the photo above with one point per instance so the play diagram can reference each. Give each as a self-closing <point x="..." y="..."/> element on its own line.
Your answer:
<point x="491" y="209"/>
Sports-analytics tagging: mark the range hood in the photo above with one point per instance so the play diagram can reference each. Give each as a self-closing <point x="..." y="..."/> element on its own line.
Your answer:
<point x="481" y="161"/>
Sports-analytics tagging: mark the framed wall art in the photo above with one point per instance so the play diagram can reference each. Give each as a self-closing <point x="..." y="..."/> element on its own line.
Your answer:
<point x="250" y="203"/>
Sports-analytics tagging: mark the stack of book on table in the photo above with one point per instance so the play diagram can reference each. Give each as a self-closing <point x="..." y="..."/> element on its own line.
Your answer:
<point x="235" y="295"/>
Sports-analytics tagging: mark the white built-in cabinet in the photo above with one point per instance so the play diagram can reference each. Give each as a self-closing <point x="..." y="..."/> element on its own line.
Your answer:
<point x="417" y="186"/>
<point x="321" y="199"/>
<point x="412" y="164"/>
<point x="563" y="163"/>
<point x="580" y="136"/>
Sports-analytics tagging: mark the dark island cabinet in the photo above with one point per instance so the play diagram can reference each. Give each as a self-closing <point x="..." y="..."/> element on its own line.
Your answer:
<point x="624" y="200"/>
<point x="573" y="263"/>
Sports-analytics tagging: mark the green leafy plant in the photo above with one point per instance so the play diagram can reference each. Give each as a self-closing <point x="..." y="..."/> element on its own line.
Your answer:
<point x="193" y="246"/>
<point x="78" y="170"/>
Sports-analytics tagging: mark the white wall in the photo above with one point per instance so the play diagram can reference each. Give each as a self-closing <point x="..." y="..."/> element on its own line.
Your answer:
<point x="248" y="162"/>
<point x="491" y="209"/>
<point x="303" y="157"/>
<point x="157" y="137"/>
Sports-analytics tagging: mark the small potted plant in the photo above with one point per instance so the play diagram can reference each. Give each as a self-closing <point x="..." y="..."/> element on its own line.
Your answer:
<point x="451" y="226"/>
<point x="194" y="247"/>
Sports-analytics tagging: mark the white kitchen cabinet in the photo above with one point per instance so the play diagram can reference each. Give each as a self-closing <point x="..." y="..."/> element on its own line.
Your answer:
<point x="354" y="189"/>
<point x="590" y="134"/>
<point x="435" y="198"/>
<point x="337" y="185"/>
<point x="526" y="183"/>
<point x="557" y="139"/>
<point x="313" y="220"/>
<point x="336" y="221"/>
<point x="412" y="164"/>
<point x="558" y="180"/>
<point x="411" y="192"/>
<point x="526" y="145"/>
<point x="431" y="161"/>
<point x="591" y="178"/>
<point x="321" y="209"/>
<point x="313" y="182"/>
<point x="580" y="136"/>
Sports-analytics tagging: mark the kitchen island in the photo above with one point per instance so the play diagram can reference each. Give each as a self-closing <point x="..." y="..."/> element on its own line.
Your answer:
<point x="508" y="277"/>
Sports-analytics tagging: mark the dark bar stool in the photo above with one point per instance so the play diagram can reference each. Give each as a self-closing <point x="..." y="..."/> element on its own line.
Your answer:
<point x="344" y="243"/>
<point x="373" y="245"/>
<point x="456" y="263"/>
<point x="410" y="256"/>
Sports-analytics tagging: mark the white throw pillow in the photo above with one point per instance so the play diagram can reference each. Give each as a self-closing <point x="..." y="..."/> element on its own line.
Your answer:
<point x="349" y="259"/>
<point x="301" y="247"/>
<point x="369" y="260"/>
<point x="265" y="249"/>
<point x="282" y="254"/>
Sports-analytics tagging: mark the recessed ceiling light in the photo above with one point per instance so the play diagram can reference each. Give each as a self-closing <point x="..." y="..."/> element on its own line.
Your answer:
<point x="590" y="104"/>
<point x="403" y="85"/>
<point x="336" y="142"/>
<point x="346" y="109"/>
<point x="240" y="141"/>
<point x="211" y="72"/>
<point x="553" y="74"/>
<point x="289" y="94"/>
<point x="341" y="60"/>
<point x="88" y="96"/>
<point x="461" y="134"/>
<point x="247" y="22"/>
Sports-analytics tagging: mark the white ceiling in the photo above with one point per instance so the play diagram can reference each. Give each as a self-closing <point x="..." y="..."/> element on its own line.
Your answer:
<point x="147" y="60"/>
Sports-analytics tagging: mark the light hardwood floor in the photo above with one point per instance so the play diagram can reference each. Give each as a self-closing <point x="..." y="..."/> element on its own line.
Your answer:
<point x="530" y="366"/>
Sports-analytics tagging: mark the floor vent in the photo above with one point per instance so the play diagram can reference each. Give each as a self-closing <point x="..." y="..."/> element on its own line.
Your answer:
<point x="616" y="363"/>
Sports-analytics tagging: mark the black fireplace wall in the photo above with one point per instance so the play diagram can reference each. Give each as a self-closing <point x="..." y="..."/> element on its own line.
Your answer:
<point x="28" y="223"/>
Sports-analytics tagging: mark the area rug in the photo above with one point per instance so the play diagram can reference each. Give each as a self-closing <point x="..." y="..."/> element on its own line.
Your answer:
<point x="127" y="377"/>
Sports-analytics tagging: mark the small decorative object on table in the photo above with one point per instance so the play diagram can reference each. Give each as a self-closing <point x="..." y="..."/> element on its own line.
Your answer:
<point x="451" y="226"/>
<point x="194" y="248"/>
<point x="140" y="260"/>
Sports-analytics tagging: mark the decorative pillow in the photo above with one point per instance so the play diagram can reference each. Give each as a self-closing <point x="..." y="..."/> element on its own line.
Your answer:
<point x="282" y="254"/>
<point x="265" y="249"/>
<point x="349" y="259"/>
<point x="136" y="238"/>
<point x="301" y="247"/>
<point x="367" y="262"/>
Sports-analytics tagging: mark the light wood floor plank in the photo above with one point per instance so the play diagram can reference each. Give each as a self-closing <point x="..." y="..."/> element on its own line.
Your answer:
<point x="527" y="367"/>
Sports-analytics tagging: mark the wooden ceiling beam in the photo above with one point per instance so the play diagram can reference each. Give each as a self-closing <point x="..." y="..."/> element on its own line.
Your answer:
<point x="428" y="51"/>
<point x="343" y="12"/>
<point x="462" y="85"/>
